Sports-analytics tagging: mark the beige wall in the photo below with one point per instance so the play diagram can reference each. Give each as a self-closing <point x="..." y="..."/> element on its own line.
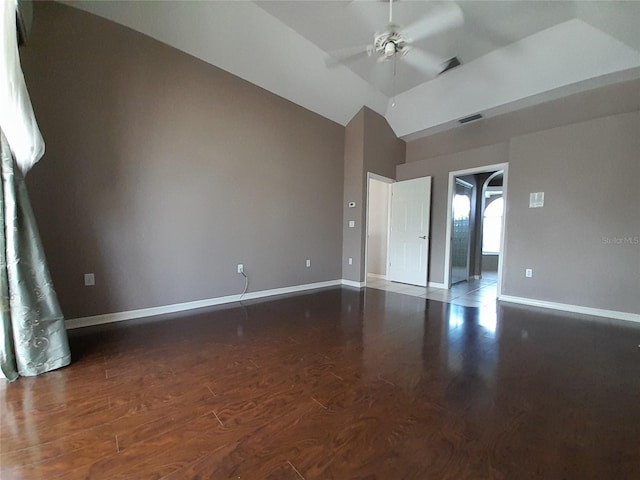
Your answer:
<point x="589" y="172"/>
<point x="163" y="172"/>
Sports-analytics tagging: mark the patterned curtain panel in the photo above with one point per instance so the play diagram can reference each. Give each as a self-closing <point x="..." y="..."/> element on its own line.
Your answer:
<point x="33" y="339"/>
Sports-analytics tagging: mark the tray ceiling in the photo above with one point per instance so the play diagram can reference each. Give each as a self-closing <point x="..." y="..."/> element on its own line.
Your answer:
<point x="513" y="54"/>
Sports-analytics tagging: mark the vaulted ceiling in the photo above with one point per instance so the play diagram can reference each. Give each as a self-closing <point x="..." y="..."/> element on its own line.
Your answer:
<point x="513" y="54"/>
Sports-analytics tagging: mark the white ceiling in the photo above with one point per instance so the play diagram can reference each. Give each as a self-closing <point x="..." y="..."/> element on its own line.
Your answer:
<point x="513" y="53"/>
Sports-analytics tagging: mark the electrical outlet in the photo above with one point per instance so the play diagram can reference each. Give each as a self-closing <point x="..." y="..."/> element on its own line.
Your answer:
<point x="528" y="272"/>
<point x="89" y="279"/>
<point x="240" y="268"/>
<point x="308" y="262"/>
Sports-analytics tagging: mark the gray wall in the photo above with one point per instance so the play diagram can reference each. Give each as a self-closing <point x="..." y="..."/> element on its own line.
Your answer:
<point x="589" y="172"/>
<point x="370" y="147"/>
<point x="163" y="172"/>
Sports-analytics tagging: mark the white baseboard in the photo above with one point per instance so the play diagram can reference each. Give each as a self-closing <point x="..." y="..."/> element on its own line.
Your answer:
<point x="598" y="312"/>
<point x="377" y="275"/>
<point x="181" y="307"/>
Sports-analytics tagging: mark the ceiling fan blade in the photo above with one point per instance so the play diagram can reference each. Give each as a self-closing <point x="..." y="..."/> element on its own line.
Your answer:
<point x="424" y="62"/>
<point x="348" y="55"/>
<point x="442" y="18"/>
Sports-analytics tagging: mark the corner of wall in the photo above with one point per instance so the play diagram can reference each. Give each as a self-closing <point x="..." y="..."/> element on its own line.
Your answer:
<point x="371" y="146"/>
<point x="353" y="192"/>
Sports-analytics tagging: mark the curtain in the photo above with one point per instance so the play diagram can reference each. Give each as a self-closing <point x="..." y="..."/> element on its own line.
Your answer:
<point x="33" y="339"/>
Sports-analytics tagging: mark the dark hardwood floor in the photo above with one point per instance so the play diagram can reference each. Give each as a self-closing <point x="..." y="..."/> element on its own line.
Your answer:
<point x="335" y="384"/>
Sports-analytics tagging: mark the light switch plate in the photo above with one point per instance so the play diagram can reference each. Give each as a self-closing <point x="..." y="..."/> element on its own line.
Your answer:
<point x="536" y="200"/>
<point x="89" y="279"/>
<point x="352" y="223"/>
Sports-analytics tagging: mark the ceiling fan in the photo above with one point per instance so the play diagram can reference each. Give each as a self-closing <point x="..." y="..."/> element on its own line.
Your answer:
<point x="396" y="41"/>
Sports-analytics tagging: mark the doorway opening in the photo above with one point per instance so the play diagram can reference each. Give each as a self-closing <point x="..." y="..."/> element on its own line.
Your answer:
<point x="475" y="228"/>
<point x="378" y="221"/>
<point x="490" y="225"/>
<point x="397" y="230"/>
<point x="461" y="237"/>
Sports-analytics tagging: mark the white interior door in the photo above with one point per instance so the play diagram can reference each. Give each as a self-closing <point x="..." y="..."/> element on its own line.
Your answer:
<point x="409" y="236"/>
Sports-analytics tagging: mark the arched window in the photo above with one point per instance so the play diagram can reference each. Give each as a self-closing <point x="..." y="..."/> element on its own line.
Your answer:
<point x="492" y="226"/>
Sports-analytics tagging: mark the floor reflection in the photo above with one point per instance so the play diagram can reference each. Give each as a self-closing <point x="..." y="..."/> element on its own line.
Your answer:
<point x="392" y="336"/>
<point x="406" y="338"/>
<point x="471" y="352"/>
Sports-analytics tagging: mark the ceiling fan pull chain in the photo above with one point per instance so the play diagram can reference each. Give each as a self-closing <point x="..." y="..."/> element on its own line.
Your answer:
<point x="393" y="85"/>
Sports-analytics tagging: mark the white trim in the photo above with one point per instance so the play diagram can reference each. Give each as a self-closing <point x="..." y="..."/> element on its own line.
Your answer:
<point x="380" y="178"/>
<point x="598" y="312"/>
<point x="351" y="283"/>
<point x="436" y="285"/>
<point x="447" y="238"/>
<point x="464" y="183"/>
<point x="389" y="199"/>
<point x="181" y="307"/>
<point x="503" y="240"/>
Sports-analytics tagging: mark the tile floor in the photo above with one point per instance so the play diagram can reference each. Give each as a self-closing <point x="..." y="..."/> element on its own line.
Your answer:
<point x="473" y="293"/>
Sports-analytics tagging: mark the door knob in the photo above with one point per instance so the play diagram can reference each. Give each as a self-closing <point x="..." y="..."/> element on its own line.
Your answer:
<point x="424" y="237"/>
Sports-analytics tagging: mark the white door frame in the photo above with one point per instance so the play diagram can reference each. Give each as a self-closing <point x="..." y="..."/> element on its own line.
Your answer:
<point x="380" y="178"/>
<point x="451" y="192"/>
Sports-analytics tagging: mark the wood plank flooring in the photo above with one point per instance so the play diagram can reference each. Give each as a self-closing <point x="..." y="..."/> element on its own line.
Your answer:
<point x="335" y="384"/>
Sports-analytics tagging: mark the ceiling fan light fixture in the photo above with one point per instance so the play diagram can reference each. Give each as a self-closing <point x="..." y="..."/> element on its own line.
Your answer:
<point x="395" y="42"/>
<point x="389" y="49"/>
